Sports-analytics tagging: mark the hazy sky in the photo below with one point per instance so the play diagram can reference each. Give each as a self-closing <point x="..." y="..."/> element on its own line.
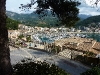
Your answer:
<point x="85" y="8"/>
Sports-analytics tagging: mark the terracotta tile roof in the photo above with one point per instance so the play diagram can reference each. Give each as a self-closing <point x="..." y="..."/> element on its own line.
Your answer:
<point x="95" y="51"/>
<point x="96" y="46"/>
<point x="76" y="40"/>
<point x="82" y="44"/>
<point x="11" y="31"/>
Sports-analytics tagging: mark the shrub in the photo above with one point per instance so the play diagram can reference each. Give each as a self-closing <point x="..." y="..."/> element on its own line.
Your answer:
<point x="93" y="71"/>
<point x="56" y="49"/>
<point x="39" y="68"/>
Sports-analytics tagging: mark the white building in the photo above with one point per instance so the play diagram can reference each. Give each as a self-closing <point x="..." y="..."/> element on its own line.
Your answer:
<point x="13" y="34"/>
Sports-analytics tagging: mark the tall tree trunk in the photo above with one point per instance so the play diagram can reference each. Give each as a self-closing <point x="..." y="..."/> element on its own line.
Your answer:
<point x="5" y="65"/>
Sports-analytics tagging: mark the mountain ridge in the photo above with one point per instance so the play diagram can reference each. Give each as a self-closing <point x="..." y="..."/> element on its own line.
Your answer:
<point x="32" y="19"/>
<point x="90" y="20"/>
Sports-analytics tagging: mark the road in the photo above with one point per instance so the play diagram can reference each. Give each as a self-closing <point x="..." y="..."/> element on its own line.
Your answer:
<point x="68" y="65"/>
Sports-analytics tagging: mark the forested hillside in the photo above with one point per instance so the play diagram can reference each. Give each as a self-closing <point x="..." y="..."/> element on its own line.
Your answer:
<point x="33" y="19"/>
<point x="12" y="24"/>
<point x="90" y="20"/>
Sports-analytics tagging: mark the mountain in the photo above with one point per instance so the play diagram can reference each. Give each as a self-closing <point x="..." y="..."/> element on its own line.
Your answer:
<point x="88" y="21"/>
<point x="33" y="19"/>
<point x="83" y="16"/>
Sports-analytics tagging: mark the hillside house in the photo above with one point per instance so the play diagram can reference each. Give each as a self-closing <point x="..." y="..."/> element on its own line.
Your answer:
<point x="13" y="34"/>
<point x="79" y="44"/>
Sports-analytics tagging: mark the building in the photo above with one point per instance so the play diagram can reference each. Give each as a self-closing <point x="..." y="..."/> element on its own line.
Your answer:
<point x="79" y="44"/>
<point x="13" y="34"/>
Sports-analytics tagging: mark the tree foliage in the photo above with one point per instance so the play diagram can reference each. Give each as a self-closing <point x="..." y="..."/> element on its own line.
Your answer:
<point x="65" y="10"/>
<point x="11" y="24"/>
<point x="39" y="68"/>
<point x="20" y="36"/>
<point x="28" y="38"/>
<point x="93" y="71"/>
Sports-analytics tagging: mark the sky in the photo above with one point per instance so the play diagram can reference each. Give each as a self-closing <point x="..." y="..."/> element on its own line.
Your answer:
<point x="85" y="7"/>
